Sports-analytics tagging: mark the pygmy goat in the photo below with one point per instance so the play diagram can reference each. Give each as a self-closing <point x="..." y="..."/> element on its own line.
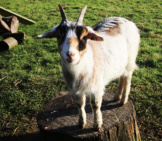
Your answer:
<point x="91" y="57"/>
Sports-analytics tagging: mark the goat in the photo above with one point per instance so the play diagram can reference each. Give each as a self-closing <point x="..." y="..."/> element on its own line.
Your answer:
<point x="91" y="57"/>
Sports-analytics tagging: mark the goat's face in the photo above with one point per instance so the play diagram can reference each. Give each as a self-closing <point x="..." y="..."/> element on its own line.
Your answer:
<point x="71" y="37"/>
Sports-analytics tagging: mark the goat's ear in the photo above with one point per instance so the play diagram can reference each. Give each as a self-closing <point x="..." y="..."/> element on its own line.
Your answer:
<point x="48" y="34"/>
<point x="94" y="36"/>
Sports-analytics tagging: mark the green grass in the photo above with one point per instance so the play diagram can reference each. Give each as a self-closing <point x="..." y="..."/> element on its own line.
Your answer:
<point x="30" y="73"/>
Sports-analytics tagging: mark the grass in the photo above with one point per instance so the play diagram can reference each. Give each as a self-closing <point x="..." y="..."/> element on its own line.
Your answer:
<point x="30" y="73"/>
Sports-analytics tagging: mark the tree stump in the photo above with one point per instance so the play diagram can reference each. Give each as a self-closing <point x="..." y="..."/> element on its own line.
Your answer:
<point x="58" y="120"/>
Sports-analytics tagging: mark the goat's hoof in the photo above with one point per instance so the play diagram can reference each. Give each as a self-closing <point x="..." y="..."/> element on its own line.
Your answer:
<point x="82" y="126"/>
<point x="97" y="127"/>
<point x="122" y="103"/>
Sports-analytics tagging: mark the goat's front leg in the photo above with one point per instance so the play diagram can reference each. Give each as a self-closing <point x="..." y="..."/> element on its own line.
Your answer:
<point x="81" y="101"/>
<point x="96" y="101"/>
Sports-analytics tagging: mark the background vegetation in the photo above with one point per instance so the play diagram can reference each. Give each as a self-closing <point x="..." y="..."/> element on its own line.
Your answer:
<point x="30" y="73"/>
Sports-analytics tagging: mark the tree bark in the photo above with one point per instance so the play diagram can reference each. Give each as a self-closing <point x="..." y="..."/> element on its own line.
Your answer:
<point x="58" y="121"/>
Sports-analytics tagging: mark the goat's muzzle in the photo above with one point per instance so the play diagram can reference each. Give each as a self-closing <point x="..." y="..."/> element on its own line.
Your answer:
<point x="70" y="56"/>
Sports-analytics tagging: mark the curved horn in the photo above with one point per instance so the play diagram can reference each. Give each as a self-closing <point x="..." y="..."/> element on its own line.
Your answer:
<point x="62" y="13"/>
<point x="81" y="16"/>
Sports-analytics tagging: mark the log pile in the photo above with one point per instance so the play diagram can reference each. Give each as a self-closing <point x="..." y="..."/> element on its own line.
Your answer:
<point x="9" y="31"/>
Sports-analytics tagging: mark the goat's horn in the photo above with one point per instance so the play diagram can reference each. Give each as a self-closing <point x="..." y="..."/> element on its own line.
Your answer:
<point x="62" y="13"/>
<point x="81" y="16"/>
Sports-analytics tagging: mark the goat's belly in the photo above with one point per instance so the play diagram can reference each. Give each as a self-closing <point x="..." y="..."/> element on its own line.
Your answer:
<point x="114" y="70"/>
<point x="89" y="87"/>
<point x="107" y="78"/>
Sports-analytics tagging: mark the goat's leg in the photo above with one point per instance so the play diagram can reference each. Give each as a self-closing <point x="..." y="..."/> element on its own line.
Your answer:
<point x="81" y="101"/>
<point x="120" y="90"/>
<point x="96" y="102"/>
<point x="127" y="86"/>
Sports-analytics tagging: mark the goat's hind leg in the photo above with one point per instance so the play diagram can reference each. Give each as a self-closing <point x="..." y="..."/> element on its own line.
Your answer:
<point x="127" y="86"/>
<point x="96" y="102"/>
<point x="120" y="90"/>
<point x="81" y="102"/>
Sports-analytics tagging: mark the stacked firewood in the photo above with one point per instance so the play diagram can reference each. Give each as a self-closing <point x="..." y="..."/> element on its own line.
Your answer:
<point x="9" y="31"/>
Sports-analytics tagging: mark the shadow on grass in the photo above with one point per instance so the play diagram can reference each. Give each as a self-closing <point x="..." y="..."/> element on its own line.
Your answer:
<point x="26" y="137"/>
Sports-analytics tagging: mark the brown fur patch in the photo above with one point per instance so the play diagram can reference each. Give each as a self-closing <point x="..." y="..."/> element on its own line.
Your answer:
<point x="113" y="30"/>
<point x="79" y="100"/>
<point x="73" y="42"/>
<point x="122" y="82"/>
<point x="83" y="33"/>
<point x="82" y="101"/>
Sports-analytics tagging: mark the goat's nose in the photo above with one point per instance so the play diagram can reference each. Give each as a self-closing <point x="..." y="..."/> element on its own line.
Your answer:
<point x="70" y="54"/>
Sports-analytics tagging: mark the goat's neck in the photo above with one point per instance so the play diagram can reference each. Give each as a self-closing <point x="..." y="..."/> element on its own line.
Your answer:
<point x="82" y="71"/>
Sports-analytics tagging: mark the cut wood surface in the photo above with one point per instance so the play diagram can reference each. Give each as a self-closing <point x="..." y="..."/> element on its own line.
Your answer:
<point x="4" y="27"/>
<point x="8" y="43"/>
<point x="59" y="120"/>
<point x="12" y="22"/>
<point x="24" y="20"/>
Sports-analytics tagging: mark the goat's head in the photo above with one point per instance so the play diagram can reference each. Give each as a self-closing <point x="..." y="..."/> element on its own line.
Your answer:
<point x="71" y="37"/>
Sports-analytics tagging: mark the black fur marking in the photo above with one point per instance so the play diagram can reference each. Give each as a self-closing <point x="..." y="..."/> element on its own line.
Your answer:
<point x="82" y="44"/>
<point x="98" y="25"/>
<point x="79" y="30"/>
<point x="61" y="33"/>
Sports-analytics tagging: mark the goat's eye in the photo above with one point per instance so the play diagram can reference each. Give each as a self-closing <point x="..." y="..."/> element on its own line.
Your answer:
<point x="82" y="45"/>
